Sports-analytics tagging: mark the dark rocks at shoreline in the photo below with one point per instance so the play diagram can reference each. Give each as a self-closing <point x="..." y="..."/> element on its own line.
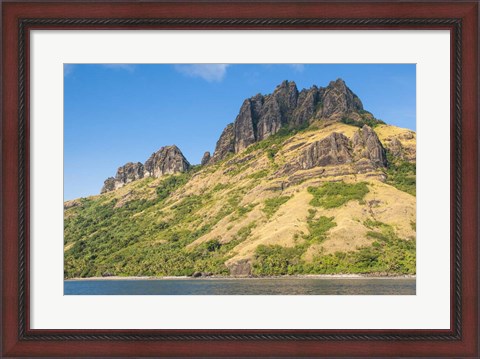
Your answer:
<point x="242" y="268"/>
<point x="201" y="274"/>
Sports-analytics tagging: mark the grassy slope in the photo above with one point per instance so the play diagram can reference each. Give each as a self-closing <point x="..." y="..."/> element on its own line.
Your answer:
<point x="244" y="208"/>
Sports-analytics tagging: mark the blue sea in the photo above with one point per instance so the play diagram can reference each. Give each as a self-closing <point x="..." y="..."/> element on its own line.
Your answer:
<point x="246" y="286"/>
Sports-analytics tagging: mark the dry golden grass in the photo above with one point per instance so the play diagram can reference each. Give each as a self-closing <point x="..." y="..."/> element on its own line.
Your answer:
<point x="407" y="138"/>
<point x="289" y="220"/>
<point x="66" y="247"/>
<point x="383" y="203"/>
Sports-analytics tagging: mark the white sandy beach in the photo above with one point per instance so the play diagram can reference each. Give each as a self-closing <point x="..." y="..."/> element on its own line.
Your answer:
<point x="298" y="276"/>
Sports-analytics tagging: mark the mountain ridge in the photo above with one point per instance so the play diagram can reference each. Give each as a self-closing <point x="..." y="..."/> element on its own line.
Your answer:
<point x="260" y="117"/>
<point x="335" y="194"/>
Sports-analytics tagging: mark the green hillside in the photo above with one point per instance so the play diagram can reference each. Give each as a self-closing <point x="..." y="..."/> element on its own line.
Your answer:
<point x="252" y="213"/>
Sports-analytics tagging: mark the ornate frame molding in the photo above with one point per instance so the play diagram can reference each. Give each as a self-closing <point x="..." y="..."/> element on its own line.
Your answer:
<point x="25" y="334"/>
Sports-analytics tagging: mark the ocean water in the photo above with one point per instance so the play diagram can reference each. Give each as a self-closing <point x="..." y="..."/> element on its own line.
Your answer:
<point x="248" y="286"/>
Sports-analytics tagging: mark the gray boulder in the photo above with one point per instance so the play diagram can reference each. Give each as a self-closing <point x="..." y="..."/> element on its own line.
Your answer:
<point x="365" y="144"/>
<point x="332" y="150"/>
<point x="206" y="158"/>
<point x="167" y="160"/>
<point x="108" y="185"/>
<point x="242" y="268"/>
<point x="127" y="173"/>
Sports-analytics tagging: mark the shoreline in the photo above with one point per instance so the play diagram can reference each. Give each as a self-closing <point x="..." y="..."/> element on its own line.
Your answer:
<point x="213" y="277"/>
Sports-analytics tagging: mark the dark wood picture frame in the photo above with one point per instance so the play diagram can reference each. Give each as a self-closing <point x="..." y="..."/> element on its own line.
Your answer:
<point x="460" y="18"/>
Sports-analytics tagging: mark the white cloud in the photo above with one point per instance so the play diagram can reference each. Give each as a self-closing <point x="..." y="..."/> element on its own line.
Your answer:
<point x="208" y="72"/>
<point x="126" y="67"/>
<point x="68" y="69"/>
<point x="298" y="67"/>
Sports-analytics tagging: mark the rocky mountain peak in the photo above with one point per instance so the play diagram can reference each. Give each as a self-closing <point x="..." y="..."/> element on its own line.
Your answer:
<point x="129" y="172"/>
<point x="338" y="100"/>
<point x="263" y="115"/>
<point x="167" y="160"/>
<point x="286" y="96"/>
<point x="338" y="84"/>
<point x="286" y="87"/>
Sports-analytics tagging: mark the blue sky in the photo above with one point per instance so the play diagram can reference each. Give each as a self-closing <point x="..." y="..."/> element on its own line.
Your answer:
<point x="114" y="114"/>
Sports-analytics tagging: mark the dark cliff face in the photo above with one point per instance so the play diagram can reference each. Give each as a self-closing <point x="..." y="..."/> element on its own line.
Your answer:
<point x="125" y="174"/>
<point x="263" y="115"/>
<point x="225" y="144"/>
<point x="108" y="185"/>
<point x="332" y="150"/>
<point x="366" y="144"/>
<point x="129" y="172"/>
<point x="338" y="99"/>
<point x="206" y="158"/>
<point x="167" y="160"/>
<point x="364" y="150"/>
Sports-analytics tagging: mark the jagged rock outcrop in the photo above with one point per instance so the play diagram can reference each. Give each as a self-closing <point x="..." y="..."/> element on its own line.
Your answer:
<point x="206" y="158"/>
<point x="244" y="127"/>
<point x="365" y="144"/>
<point x="225" y="144"/>
<point x="276" y="111"/>
<point x="338" y="99"/>
<point x="264" y="115"/>
<point x="167" y="160"/>
<point x="332" y="150"/>
<point x="400" y="143"/>
<point x="128" y="173"/>
<point x="306" y="109"/>
<point x="108" y="185"/>
<point x="364" y="150"/>
<point x="396" y="148"/>
<point x="125" y="174"/>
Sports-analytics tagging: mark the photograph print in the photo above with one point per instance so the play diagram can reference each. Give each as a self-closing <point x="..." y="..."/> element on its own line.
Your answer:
<point x="233" y="179"/>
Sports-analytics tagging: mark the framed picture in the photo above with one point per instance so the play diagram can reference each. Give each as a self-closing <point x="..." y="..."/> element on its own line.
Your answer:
<point x="240" y="179"/>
